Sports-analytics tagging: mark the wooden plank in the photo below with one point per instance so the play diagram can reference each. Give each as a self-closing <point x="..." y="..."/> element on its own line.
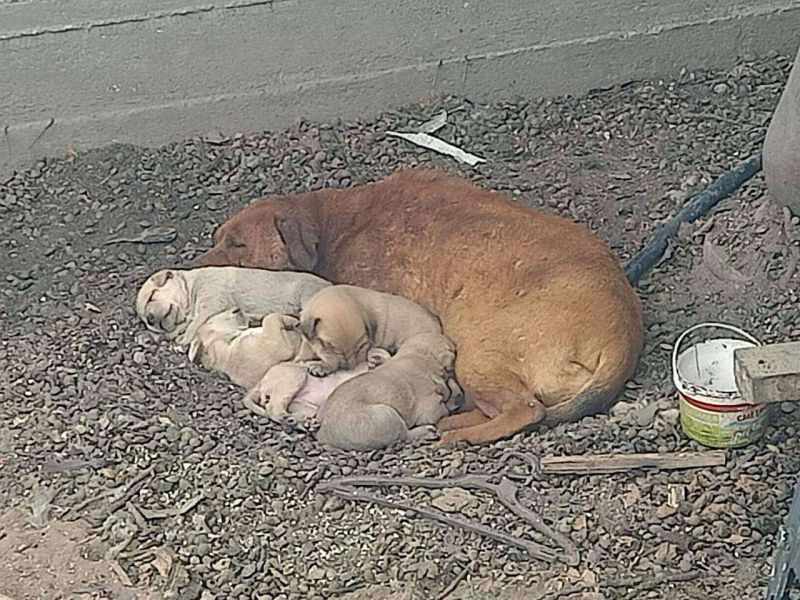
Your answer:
<point x="616" y="463"/>
<point x="766" y="374"/>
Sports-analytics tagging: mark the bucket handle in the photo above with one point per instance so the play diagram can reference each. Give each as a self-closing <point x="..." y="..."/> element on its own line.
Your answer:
<point x="682" y="336"/>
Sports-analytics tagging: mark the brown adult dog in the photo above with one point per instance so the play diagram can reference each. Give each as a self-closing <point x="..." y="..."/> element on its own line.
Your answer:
<point x="546" y="325"/>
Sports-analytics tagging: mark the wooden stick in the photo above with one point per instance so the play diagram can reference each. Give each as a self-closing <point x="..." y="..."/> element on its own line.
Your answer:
<point x="455" y="583"/>
<point x="616" y="463"/>
<point x="534" y="549"/>
<point x="505" y="492"/>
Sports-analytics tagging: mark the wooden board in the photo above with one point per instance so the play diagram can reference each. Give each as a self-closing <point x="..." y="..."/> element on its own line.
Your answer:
<point x="615" y="463"/>
<point x="766" y="374"/>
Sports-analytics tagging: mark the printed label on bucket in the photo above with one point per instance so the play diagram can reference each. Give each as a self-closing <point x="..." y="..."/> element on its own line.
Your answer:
<point x="723" y="429"/>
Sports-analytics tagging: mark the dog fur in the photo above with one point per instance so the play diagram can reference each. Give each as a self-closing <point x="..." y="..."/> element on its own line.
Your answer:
<point x="342" y="323"/>
<point x="226" y="343"/>
<point x="178" y="302"/>
<point x="400" y="399"/>
<point x="547" y="327"/>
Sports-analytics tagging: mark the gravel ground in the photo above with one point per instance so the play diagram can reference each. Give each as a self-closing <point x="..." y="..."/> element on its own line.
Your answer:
<point x="122" y="427"/>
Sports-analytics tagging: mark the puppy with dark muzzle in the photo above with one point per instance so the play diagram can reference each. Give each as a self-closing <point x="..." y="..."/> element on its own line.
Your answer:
<point x="178" y="302"/>
<point x="399" y="400"/>
<point x="342" y="323"/>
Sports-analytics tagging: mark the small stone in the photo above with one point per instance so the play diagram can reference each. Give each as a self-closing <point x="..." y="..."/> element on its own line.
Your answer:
<point x="721" y="88"/>
<point x="453" y="500"/>
<point x="665" y="510"/>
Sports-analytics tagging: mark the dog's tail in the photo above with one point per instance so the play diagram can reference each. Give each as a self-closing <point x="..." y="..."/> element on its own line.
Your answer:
<point x="598" y="395"/>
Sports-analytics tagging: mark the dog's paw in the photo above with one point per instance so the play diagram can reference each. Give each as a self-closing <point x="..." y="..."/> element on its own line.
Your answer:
<point x="423" y="433"/>
<point x="376" y="357"/>
<point x="449" y="439"/>
<point x="289" y="423"/>
<point x="319" y="370"/>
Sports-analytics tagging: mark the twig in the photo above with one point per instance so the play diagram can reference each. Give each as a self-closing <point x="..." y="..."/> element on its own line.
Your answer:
<point x="615" y="463"/>
<point x="534" y="549"/>
<point x="649" y="582"/>
<point x="128" y="492"/>
<point x="42" y="132"/>
<point x="131" y="488"/>
<point x="314" y="481"/>
<point x="163" y="513"/>
<point x="505" y="492"/>
<point x="454" y="584"/>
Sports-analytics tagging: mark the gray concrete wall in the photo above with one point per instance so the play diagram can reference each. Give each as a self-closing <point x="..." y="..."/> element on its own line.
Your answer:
<point x="88" y="72"/>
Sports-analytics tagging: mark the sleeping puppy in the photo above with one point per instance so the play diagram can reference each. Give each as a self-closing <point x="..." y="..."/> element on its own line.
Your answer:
<point x="289" y="389"/>
<point x="226" y="343"/>
<point x="178" y="302"/>
<point x="398" y="400"/>
<point x="342" y="323"/>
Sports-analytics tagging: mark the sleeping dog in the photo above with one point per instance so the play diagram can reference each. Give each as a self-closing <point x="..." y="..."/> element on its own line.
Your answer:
<point x="178" y="302"/>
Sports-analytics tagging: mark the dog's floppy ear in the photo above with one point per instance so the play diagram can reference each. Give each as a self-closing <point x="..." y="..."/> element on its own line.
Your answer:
<point x="308" y="327"/>
<point x="162" y="277"/>
<point x="300" y="237"/>
<point x="196" y="351"/>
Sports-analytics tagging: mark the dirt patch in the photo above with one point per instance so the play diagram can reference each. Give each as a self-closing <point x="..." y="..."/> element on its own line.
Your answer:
<point x="47" y="564"/>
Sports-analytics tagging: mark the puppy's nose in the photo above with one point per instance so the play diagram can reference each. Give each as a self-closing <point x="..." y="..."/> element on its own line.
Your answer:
<point x="151" y="320"/>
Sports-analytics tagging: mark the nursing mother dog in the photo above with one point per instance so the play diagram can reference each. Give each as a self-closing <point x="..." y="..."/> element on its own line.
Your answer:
<point x="546" y="326"/>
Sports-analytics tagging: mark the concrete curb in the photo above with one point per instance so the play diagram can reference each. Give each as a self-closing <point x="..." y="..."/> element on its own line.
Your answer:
<point x="151" y="72"/>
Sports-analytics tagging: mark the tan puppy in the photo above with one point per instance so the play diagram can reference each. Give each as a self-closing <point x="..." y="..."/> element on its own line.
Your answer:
<point x="289" y="389"/>
<point x="399" y="400"/>
<point x="343" y="323"/>
<point x="546" y="324"/>
<point x="226" y="343"/>
<point x="178" y="302"/>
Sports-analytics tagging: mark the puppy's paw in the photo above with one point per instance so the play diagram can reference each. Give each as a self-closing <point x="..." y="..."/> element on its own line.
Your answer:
<point x="319" y="370"/>
<point x="423" y="433"/>
<point x="289" y="423"/>
<point x="275" y="413"/>
<point x="376" y="357"/>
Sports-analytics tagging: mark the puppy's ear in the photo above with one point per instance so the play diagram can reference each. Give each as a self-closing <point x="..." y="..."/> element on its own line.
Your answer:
<point x="162" y="277"/>
<point x="300" y="238"/>
<point x="308" y="327"/>
<point x="441" y="386"/>
<point x="196" y="351"/>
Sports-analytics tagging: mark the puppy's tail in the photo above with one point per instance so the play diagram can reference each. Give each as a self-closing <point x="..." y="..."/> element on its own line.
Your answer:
<point x="598" y="395"/>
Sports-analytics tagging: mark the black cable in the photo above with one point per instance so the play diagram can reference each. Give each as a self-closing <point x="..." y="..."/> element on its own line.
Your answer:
<point x="647" y="257"/>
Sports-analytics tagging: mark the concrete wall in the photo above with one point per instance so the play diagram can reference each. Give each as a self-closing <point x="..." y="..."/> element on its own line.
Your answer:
<point x="87" y="72"/>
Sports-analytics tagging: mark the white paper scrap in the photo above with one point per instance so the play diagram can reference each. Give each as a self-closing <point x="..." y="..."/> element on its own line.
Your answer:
<point x="433" y="143"/>
<point x="435" y="124"/>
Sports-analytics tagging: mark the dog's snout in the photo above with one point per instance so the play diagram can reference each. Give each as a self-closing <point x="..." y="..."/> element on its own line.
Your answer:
<point x="151" y="320"/>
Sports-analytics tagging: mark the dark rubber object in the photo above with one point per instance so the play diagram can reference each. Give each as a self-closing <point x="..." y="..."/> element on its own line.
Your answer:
<point x="786" y="567"/>
<point x="648" y="257"/>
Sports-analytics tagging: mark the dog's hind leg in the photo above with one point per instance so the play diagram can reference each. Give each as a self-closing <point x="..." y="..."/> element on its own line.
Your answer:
<point x="515" y="415"/>
<point x="470" y="418"/>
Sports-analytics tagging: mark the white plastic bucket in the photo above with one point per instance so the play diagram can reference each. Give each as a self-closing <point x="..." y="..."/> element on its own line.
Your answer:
<point x="712" y="411"/>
